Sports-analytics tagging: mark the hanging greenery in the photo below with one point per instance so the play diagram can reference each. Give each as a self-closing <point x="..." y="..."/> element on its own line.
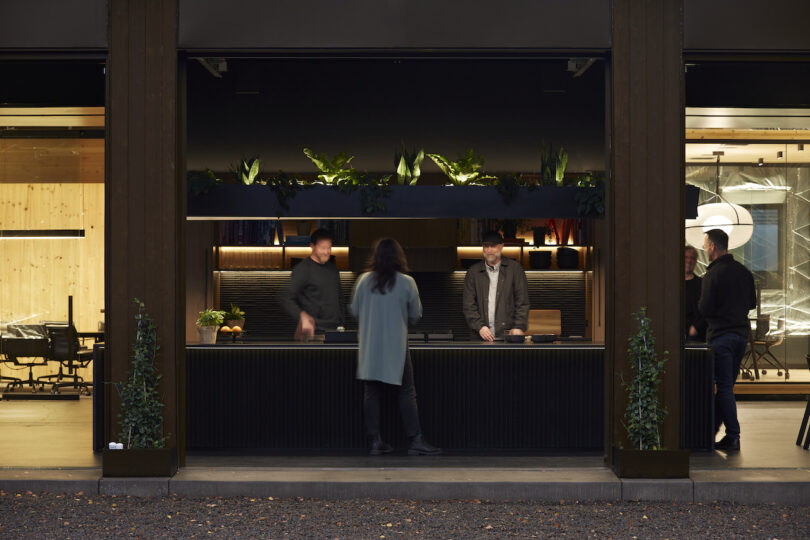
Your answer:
<point x="644" y="414"/>
<point x="141" y="415"/>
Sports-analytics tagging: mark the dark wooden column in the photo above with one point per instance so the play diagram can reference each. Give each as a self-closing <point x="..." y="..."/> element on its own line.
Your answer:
<point x="144" y="222"/>
<point x="645" y="198"/>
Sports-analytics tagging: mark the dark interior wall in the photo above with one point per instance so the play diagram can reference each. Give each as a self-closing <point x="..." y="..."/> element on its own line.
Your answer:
<point x="748" y="84"/>
<point x="250" y="24"/>
<point x="501" y="108"/>
<point x="43" y="83"/>
<point x="78" y="24"/>
<point x="746" y="25"/>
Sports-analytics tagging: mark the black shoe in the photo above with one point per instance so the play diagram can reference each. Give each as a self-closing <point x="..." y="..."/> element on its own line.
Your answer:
<point x="728" y="443"/>
<point x="379" y="446"/>
<point x="420" y="447"/>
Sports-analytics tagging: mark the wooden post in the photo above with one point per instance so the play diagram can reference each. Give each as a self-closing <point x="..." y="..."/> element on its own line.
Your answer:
<point x="144" y="205"/>
<point x="645" y="199"/>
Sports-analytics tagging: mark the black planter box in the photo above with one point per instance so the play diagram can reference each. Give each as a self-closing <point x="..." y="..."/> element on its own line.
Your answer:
<point x="139" y="462"/>
<point x="651" y="463"/>
<point x="232" y="201"/>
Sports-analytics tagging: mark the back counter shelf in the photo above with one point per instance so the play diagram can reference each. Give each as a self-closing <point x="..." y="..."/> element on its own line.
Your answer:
<point x="289" y="397"/>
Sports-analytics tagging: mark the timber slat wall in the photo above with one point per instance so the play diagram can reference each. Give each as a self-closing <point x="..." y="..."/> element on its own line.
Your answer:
<point x="144" y="212"/>
<point x="645" y="197"/>
<point x="473" y="399"/>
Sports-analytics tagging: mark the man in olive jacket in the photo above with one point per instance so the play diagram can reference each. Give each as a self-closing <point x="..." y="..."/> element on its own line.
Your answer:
<point x="496" y="293"/>
<point x="728" y="293"/>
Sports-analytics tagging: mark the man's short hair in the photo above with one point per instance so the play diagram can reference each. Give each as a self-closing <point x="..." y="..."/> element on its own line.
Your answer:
<point x="719" y="238"/>
<point x="492" y="237"/>
<point x="693" y="249"/>
<point x="321" y="234"/>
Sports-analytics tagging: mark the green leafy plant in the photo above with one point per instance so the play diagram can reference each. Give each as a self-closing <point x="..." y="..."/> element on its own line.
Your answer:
<point x="591" y="201"/>
<point x="199" y="182"/>
<point x="509" y="187"/>
<point x="333" y="171"/>
<point x="465" y="171"/>
<point x="644" y="414"/>
<point x="552" y="164"/>
<point x="141" y="415"/>
<point x="210" y="317"/>
<point x="285" y="187"/>
<point x="234" y="314"/>
<point x="408" y="166"/>
<point x="247" y="170"/>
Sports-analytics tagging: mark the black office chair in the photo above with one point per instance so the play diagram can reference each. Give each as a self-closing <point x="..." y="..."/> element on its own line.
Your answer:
<point x="25" y="341"/>
<point x="5" y="360"/>
<point x="64" y="348"/>
<point x="760" y="341"/>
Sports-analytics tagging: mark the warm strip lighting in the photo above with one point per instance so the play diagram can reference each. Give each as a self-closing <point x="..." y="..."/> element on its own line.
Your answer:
<point x="40" y="234"/>
<point x="80" y="117"/>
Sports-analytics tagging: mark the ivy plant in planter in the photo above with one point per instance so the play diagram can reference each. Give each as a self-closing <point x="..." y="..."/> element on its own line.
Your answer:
<point x="199" y="182"/>
<point x="335" y="173"/>
<point x="644" y="413"/>
<point x="591" y="201"/>
<point x="141" y="416"/>
<point x="465" y="171"/>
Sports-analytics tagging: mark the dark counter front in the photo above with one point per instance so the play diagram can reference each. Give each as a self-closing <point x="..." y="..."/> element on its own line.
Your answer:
<point x="472" y="397"/>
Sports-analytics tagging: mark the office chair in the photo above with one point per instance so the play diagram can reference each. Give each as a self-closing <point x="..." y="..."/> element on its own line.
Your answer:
<point x="64" y="348"/>
<point x="760" y="342"/>
<point x="805" y="419"/>
<point x="25" y="341"/>
<point x="5" y="360"/>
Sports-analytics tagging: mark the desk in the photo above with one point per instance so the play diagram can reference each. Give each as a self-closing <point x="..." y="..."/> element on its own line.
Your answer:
<point x="98" y="337"/>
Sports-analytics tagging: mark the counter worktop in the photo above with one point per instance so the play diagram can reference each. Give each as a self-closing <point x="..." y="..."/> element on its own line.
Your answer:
<point x="477" y="345"/>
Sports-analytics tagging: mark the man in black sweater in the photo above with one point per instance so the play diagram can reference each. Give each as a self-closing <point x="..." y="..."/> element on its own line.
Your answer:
<point x="314" y="298"/>
<point x="728" y="294"/>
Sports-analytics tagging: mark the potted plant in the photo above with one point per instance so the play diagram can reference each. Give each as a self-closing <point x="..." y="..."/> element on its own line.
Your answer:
<point x="235" y="317"/>
<point x="141" y="415"/>
<point x="644" y="414"/>
<point x="208" y="324"/>
<point x="465" y="171"/>
<point x="408" y="166"/>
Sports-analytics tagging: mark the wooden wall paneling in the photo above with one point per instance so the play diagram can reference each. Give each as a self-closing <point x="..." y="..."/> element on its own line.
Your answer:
<point x="37" y="276"/>
<point x="51" y="160"/>
<point x="645" y="208"/>
<point x="142" y="199"/>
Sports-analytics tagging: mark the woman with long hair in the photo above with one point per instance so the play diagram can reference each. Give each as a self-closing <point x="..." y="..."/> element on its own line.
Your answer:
<point x="385" y="301"/>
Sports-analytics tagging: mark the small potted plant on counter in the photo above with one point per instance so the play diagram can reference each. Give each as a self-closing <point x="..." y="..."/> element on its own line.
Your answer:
<point x="644" y="414"/>
<point x="235" y="317"/>
<point x="141" y="451"/>
<point x="208" y="324"/>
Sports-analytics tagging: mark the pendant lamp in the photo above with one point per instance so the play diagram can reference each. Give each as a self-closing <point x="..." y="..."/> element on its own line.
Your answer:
<point x="731" y="218"/>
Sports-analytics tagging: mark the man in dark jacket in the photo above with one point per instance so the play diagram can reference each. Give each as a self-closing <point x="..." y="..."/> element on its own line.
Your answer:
<point x="496" y="293"/>
<point x="728" y="294"/>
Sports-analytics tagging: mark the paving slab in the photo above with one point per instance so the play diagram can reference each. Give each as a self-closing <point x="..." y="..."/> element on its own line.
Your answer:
<point x="643" y="489"/>
<point x="137" y="487"/>
<point x="753" y="486"/>
<point x="50" y="480"/>
<point x="549" y="485"/>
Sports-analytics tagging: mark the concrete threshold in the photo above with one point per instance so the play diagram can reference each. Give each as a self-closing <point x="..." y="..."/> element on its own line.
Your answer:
<point x="742" y="486"/>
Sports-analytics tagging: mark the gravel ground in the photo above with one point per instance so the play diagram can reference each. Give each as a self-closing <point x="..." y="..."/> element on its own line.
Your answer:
<point x="30" y="515"/>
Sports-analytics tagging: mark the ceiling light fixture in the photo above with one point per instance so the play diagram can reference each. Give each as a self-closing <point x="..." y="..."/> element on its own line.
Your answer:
<point x="733" y="219"/>
<point x="801" y="147"/>
<point x="760" y="162"/>
<point x="779" y="155"/>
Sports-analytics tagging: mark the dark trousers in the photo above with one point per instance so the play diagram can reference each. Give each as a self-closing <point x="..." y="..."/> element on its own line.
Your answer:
<point x="372" y="390"/>
<point x="727" y="352"/>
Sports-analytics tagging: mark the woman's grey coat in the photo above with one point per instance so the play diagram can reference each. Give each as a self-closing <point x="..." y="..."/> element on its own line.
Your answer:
<point x="383" y="328"/>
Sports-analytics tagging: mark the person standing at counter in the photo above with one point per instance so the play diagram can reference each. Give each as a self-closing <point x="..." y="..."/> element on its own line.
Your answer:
<point x="727" y="297"/>
<point x="385" y="301"/>
<point x="496" y="293"/>
<point x="695" y="323"/>
<point x="313" y="297"/>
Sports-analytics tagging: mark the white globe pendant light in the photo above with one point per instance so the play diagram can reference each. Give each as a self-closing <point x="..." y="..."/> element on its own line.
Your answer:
<point x="731" y="218"/>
